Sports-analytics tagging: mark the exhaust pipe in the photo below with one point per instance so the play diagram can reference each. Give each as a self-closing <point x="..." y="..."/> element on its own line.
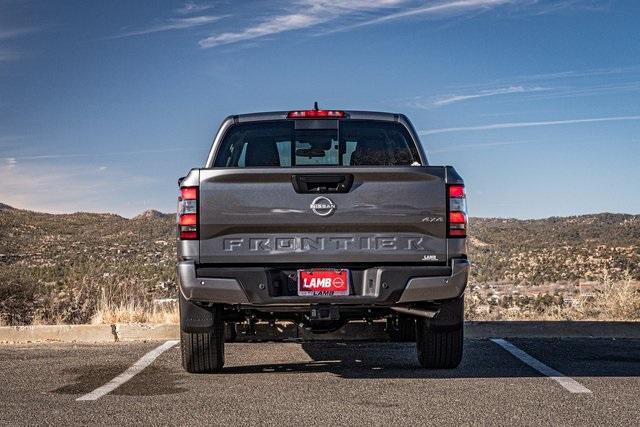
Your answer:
<point x="416" y="312"/>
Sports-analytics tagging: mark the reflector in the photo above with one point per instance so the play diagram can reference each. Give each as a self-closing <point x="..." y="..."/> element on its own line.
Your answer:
<point x="188" y="235"/>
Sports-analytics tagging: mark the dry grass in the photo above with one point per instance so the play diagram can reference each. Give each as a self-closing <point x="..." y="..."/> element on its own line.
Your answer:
<point x="132" y="311"/>
<point x="611" y="300"/>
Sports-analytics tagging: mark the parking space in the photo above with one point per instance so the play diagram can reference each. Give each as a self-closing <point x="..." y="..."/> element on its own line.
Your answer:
<point x="323" y="382"/>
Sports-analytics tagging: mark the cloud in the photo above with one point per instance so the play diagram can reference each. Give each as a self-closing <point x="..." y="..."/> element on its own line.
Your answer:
<point x="13" y="33"/>
<point x="478" y="145"/>
<point x="61" y="188"/>
<point x="304" y="14"/>
<point x="7" y="56"/>
<point x="527" y="124"/>
<point x="570" y="74"/>
<point x="16" y="32"/>
<point x="450" y="99"/>
<point x="76" y="155"/>
<point x="533" y="86"/>
<point x="437" y="9"/>
<point x="172" y="25"/>
<point x="572" y="92"/>
<point x="556" y="6"/>
<point x="192" y="7"/>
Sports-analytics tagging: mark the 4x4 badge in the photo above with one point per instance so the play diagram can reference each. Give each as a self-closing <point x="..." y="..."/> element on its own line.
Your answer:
<point x="323" y="206"/>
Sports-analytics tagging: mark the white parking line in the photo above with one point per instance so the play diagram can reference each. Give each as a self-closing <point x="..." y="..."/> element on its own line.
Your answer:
<point x="135" y="369"/>
<point x="568" y="383"/>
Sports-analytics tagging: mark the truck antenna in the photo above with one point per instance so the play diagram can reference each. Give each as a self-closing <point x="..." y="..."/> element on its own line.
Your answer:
<point x="315" y="105"/>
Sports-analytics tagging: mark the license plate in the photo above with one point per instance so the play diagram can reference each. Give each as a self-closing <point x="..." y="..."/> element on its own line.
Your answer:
<point x="323" y="282"/>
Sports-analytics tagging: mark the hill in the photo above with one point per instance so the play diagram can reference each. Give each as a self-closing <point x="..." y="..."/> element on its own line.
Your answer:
<point x="63" y="268"/>
<point x="557" y="249"/>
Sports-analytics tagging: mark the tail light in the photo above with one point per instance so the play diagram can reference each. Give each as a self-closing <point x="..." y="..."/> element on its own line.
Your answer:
<point x="457" y="216"/>
<point x="188" y="213"/>
<point x="316" y="114"/>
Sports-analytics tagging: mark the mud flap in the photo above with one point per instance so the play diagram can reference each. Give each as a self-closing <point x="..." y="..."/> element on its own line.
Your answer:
<point x="450" y="315"/>
<point x="195" y="319"/>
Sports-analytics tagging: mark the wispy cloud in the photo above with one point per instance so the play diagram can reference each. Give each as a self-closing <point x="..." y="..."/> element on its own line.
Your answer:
<point x="480" y="145"/>
<point x="192" y="7"/>
<point x="7" y="56"/>
<point x="172" y="24"/>
<point x="559" y="5"/>
<point x="527" y="124"/>
<point x="7" y="34"/>
<point x="10" y="162"/>
<point x="575" y="83"/>
<point x="84" y="189"/>
<point x="592" y="90"/>
<point x="76" y="155"/>
<point x="13" y="33"/>
<point x="571" y="74"/>
<point x="303" y="14"/>
<point x="450" y="99"/>
<point x="437" y="9"/>
<point x="344" y="15"/>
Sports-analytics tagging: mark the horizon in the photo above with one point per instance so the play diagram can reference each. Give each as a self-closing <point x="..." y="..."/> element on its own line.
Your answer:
<point x="4" y="206"/>
<point x="534" y="102"/>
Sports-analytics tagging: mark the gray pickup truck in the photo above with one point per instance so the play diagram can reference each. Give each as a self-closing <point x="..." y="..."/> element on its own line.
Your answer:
<point x="321" y="217"/>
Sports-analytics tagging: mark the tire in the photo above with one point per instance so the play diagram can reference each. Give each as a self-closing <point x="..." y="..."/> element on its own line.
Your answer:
<point x="203" y="352"/>
<point x="402" y="329"/>
<point x="439" y="347"/>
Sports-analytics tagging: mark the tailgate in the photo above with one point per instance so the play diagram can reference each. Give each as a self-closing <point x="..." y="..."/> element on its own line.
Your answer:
<point x="262" y="215"/>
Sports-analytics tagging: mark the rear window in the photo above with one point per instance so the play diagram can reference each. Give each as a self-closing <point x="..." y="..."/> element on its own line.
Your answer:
<point x="316" y="143"/>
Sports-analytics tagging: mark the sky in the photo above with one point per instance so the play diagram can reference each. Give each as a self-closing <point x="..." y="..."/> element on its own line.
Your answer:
<point x="536" y="103"/>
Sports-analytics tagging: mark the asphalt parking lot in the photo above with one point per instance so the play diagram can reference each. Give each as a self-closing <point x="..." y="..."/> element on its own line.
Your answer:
<point x="355" y="383"/>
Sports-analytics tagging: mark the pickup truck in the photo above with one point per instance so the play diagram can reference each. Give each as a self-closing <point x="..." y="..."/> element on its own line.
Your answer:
<point x="321" y="217"/>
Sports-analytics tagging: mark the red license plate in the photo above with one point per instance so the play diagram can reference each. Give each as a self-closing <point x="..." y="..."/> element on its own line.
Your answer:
<point x="323" y="282"/>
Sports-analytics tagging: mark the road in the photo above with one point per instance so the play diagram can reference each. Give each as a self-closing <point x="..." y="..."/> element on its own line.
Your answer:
<point x="345" y="383"/>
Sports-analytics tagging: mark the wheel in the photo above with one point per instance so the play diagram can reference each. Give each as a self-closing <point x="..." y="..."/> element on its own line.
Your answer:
<point x="439" y="348"/>
<point x="203" y="352"/>
<point x="439" y="341"/>
<point x="401" y="328"/>
<point x="230" y="332"/>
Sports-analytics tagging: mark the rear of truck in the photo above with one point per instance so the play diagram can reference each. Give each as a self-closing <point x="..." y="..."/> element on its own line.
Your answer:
<point x="321" y="217"/>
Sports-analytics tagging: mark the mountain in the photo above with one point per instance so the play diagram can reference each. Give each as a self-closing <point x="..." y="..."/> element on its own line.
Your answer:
<point x="59" y="268"/>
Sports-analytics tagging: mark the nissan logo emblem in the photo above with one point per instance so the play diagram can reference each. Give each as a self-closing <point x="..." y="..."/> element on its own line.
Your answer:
<point x="323" y="206"/>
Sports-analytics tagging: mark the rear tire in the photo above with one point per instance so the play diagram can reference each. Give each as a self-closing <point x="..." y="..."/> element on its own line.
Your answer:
<point x="439" y="348"/>
<point x="203" y="352"/>
<point x="439" y="341"/>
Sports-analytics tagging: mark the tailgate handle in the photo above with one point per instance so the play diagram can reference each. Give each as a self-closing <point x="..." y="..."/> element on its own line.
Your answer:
<point x="322" y="183"/>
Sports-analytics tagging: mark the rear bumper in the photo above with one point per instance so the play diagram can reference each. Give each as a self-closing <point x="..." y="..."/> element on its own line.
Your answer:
<point x="272" y="287"/>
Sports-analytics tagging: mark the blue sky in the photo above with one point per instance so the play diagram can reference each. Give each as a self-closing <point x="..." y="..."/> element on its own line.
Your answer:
<point x="103" y="105"/>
